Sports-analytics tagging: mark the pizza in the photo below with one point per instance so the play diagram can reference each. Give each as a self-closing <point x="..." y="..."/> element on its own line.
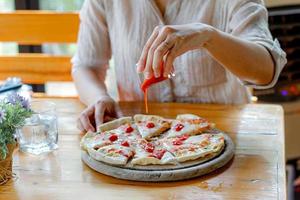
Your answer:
<point x="148" y="152"/>
<point x="188" y="124"/>
<point x="151" y="125"/>
<point x="112" y="154"/>
<point x="119" y="131"/>
<point x="153" y="140"/>
<point x="187" y="147"/>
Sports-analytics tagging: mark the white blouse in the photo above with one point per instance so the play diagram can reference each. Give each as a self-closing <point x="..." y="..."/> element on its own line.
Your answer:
<point x="120" y="28"/>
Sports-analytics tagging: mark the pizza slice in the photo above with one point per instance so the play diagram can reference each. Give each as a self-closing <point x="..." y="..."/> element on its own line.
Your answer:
<point x="188" y="147"/>
<point x="113" y="154"/>
<point x="121" y="131"/>
<point x="151" y="153"/>
<point x="124" y="135"/>
<point x="87" y="140"/>
<point x="151" y="125"/>
<point x="188" y="124"/>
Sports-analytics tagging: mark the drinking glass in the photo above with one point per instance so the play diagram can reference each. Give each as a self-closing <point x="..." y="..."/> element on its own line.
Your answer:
<point x="40" y="133"/>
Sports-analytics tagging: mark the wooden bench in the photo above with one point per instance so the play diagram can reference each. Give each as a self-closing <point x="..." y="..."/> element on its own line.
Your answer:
<point x="37" y="28"/>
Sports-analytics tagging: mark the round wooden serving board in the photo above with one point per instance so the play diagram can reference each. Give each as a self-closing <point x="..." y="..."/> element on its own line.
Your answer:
<point x="157" y="173"/>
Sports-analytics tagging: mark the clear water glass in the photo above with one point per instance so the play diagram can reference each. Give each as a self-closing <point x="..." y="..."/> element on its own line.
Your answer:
<point x="40" y="133"/>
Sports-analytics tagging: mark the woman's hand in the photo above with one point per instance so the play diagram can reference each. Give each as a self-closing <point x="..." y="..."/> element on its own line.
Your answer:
<point x="105" y="109"/>
<point x="168" y="42"/>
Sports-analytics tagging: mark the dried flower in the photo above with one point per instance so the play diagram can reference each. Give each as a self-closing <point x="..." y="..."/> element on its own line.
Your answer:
<point x="2" y="116"/>
<point x="15" y="99"/>
<point x="14" y="110"/>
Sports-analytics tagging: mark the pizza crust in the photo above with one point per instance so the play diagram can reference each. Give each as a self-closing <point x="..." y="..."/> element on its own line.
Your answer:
<point x="102" y="155"/>
<point x="114" y="124"/>
<point x="121" y="160"/>
<point x="187" y="116"/>
<point x="87" y="140"/>
<point x="193" y="156"/>
<point x="167" y="158"/>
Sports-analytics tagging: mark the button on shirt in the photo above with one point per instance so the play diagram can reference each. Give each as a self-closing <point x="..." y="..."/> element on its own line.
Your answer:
<point x="120" y="29"/>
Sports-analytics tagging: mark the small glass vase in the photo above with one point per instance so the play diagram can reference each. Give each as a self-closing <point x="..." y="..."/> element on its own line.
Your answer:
<point x="40" y="133"/>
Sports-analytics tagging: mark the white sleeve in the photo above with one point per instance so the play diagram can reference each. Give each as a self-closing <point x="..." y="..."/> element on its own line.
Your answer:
<point x="93" y="45"/>
<point x="249" y="21"/>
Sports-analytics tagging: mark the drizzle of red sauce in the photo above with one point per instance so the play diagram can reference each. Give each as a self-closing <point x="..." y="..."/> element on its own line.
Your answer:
<point x="149" y="148"/>
<point x="121" y="152"/>
<point x="177" y="142"/>
<point x="113" y="138"/>
<point x="184" y="137"/>
<point x="150" y="125"/>
<point x="111" y="150"/>
<point x="148" y="82"/>
<point x="159" y="153"/>
<point x="146" y="100"/>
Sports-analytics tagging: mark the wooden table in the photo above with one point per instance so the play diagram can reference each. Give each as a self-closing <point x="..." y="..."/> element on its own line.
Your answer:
<point x="256" y="172"/>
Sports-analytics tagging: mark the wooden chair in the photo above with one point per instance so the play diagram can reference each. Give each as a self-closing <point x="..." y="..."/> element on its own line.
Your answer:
<point x="36" y="28"/>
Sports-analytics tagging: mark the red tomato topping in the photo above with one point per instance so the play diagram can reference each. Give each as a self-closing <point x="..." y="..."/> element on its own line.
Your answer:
<point x="179" y="127"/>
<point x="150" y="125"/>
<point x="129" y="129"/>
<point x="177" y="142"/>
<point x="125" y="144"/>
<point x="149" y="147"/>
<point x="113" y="138"/>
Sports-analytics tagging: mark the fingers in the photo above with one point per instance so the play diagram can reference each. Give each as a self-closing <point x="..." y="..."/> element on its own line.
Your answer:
<point x="99" y="114"/>
<point x="108" y="118"/>
<point x="142" y="61"/>
<point x="84" y="123"/>
<point x="159" y="54"/>
<point x="158" y="45"/>
<point x="119" y="112"/>
<point x="169" y="68"/>
<point x="79" y="126"/>
<point x="297" y="182"/>
<point x="103" y="110"/>
<point x="150" y="66"/>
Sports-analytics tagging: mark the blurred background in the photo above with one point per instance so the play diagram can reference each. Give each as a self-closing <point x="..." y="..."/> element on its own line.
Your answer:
<point x="51" y="51"/>
<point x="54" y="88"/>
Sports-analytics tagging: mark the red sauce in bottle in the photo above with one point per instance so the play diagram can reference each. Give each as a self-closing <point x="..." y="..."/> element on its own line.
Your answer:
<point x="148" y="82"/>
